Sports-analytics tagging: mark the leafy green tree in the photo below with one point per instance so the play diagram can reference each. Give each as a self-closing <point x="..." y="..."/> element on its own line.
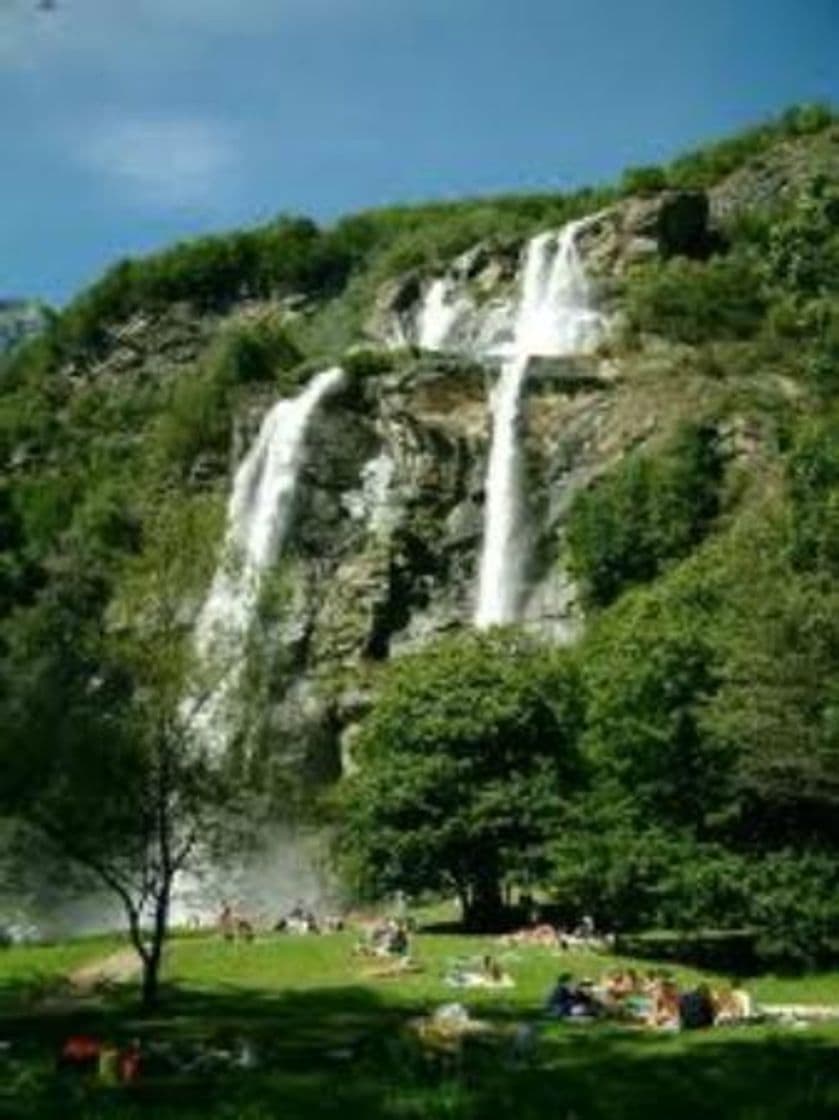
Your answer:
<point x="794" y="905"/>
<point x="632" y="876"/>
<point x="105" y="755"/>
<point x="650" y="668"/>
<point x="777" y="708"/>
<point x="464" y="766"/>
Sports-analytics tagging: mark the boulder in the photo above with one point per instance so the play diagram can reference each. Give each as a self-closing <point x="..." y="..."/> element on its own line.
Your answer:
<point x="394" y="303"/>
<point x="666" y="224"/>
<point x="682" y="223"/>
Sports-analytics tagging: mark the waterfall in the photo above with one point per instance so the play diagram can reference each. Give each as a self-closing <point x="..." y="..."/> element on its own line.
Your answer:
<point x="553" y="317"/>
<point x="258" y="518"/>
<point x="439" y="313"/>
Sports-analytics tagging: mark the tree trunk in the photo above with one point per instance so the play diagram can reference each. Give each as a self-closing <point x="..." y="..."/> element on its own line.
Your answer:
<point x="151" y="982"/>
<point x="153" y="958"/>
<point x="485" y="909"/>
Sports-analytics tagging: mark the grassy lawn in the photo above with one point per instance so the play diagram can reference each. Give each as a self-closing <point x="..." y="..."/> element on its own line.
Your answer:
<point x="287" y="963"/>
<point x="29" y="970"/>
<point x="329" y="1041"/>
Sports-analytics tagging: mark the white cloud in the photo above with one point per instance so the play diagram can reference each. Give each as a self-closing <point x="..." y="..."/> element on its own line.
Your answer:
<point x="164" y="161"/>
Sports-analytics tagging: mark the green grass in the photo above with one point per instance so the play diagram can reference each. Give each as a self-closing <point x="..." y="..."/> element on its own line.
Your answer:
<point x="27" y="969"/>
<point x="279" y="963"/>
<point x="333" y="1043"/>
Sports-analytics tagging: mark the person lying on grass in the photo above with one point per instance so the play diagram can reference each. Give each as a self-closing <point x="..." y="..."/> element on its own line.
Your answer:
<point x="489" y="974"/>
<point x="387" y="939"/>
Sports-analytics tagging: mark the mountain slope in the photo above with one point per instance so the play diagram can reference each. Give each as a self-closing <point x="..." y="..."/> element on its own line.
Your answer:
<point x="720" y="278"/>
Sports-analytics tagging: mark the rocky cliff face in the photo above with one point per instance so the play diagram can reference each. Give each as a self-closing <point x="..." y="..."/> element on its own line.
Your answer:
<point x="387" y="534"/>
<point x="386" y="543"/>
<point x="384" y="549"/>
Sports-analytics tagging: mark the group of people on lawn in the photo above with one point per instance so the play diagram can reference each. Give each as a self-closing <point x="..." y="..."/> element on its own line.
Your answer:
<point x="233" y="925"/>
<point x="655" y="1000"/>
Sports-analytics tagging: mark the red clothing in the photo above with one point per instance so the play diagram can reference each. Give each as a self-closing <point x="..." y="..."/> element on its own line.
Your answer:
<point x="81" y="1048"/>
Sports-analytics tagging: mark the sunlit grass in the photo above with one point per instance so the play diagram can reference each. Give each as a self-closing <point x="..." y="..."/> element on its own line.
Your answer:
<point x="40" y="964"/>
<point x="334" y="1042"/>
<point x="280" y="962"/>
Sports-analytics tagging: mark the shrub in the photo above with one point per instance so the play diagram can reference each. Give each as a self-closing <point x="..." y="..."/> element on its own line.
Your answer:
<point x="802" y="254"/>
<point x="647" y="512"/>
<point x="369" y="363"/>
<point x="804" y="120"/>
<point x="696" y="302"/>
<point x="255" y="351"/>
<point x="197" y="419"/>
<point x="643" y="180"/>
<point x="287" y="256"/>
<point x="707" y="165"/>
<point x="813" y="480"/>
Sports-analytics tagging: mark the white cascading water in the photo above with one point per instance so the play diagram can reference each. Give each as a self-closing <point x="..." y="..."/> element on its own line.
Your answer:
<point x="258" y="516"/>
<point x="553" y="317"/>
<point x="440" y="310"/>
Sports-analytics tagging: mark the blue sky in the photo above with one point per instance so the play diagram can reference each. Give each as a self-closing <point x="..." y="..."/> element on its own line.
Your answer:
<point x="128" y="123"/>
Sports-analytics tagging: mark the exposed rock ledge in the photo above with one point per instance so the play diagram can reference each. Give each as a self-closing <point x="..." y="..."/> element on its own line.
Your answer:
<point x="666" y="224"/>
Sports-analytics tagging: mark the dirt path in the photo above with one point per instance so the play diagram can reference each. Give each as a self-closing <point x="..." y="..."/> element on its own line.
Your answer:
<point x="117" y="968"/>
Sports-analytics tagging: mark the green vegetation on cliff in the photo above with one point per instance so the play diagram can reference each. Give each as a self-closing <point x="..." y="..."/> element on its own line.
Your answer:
<point x="705" y="542"/>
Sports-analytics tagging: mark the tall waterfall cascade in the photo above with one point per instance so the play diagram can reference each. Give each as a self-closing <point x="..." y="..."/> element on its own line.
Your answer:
<point x="258" y="518"/>
<point x="259" y="515"/>
<point x="551" y="316"/>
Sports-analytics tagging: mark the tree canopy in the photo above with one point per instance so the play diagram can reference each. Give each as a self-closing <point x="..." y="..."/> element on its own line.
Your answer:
<point x="463" y="768"/>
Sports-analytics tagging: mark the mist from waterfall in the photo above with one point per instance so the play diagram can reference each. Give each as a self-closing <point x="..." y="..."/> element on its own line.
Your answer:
<point x="553" y="317"/>
<point x="258" y="517"/>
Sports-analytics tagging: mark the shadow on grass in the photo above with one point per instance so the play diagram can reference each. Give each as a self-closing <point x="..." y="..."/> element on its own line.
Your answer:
<point x="342" y="1052"/>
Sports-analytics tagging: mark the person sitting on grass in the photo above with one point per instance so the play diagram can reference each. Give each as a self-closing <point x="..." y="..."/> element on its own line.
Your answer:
<point x="492" y="970"/>
<point x="561" y="999"/>
<point x="392" y="943"/>
<point x="392" y="968"/>
<point x="386" y="939"/>
<point x="569" y="1000"/>
<point x="664" y="1009"/>
<point x="623" y="994"/>
<point x="300" y="920"/>
<point x="398" y="943"/>
<point x="733" y="1004"/>
<point x="696" y="1009"/>
<point x="621" y="984"/>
